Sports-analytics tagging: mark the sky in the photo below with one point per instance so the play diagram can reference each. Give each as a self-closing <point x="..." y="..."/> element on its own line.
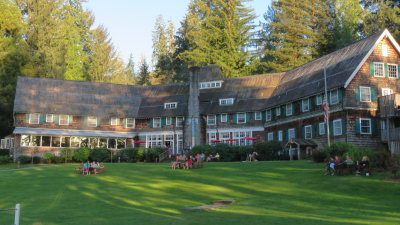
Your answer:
<point x="130" y="22"/>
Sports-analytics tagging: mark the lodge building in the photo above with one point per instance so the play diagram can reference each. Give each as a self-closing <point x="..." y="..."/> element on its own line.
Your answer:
<point x="362" y="82"/>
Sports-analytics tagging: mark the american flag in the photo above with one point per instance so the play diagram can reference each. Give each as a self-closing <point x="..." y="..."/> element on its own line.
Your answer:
<point x="325" y="109"/>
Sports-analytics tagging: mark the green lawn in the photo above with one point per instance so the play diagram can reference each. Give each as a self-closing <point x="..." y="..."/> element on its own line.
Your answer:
<point x="265" y="193"/>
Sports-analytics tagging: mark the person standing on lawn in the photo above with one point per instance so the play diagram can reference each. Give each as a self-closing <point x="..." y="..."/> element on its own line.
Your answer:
<point x="86" y="166"/>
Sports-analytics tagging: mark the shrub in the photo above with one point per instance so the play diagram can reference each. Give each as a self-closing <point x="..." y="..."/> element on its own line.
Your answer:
<point x="37" y="159"/>
<point x="66" y="154"/>
<point x="382" y="159"/>
<point x="224" y="151"/>
<point x="358" y="152"/>
<point x="140" y="154"/>
<point x="58" y="159"/>
<point x="4" y="159"/>
<point x="319" y="156"/>
<point x="198" y="149"/>
<point x="268" y="150"/>
<point x="153" y="153"/>
<point x="82" y="154"/>
<point x="4" y="152"/>
<point x="100" y="155"/>
<point x="338" y="149"/>
<point x="24" y="159"/>
<point x="128" y="154"/>
<point x="47" y="157"/>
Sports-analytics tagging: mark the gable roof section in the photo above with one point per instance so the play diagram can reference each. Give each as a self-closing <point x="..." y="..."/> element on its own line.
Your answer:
<point x="308" y="79"/>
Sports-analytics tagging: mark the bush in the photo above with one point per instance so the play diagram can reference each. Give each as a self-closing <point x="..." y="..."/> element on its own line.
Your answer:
<point x="140" y="154"/>
<point x="100" y="155"/>
<point x="66" y="154"/>
<point x="128" y="154"/>
<point x="4" y="152"/>
<point x="338" y="149"/>
<point x="152" y="154"/>
<point x="268" y="150"/>
<point x="4" y="159"/>
<point x="47" y="157"/>
<point x="82" y="154"/>
<point x="358" y="152"/>
<point x="58" y="159"/>
<point x="198" y="149"/>
<point x="382" y="159"/>
<point x="24" y="159"/>
<point x="319" y="156"/>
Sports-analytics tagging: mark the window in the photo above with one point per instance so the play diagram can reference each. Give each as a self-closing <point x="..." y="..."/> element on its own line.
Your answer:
<point x="63" y="120"/>
<point x="92" y="121"/>
<point x="280" y="135"/>
<point x="114" y="121"/>
<point x="378" y="70"/>
<point x="46" y="141"/>
<point x="386" y="91"/>
<point x="365" y="94"/>
<point x="269" y="115"/>
<point x="308" y="132"/>
<point x="212" y="84"/>
<point x="321" y="128"/>
<point x="319" y="99"/>
<point x="49" y="118"/>
<point x="384" y="50"/>
<point x="392" y="70"/>
<point x="224" y="117"/>
<point x="241" y="117"/>
<point x="130" y="122"/>
<point x="335" y="97"/>
<point x="291" y="133"/>
<point x="305" y="104"/>
<point x="211" y="120"/>
<point x="383" y="125"/>
<point x="169" y="121"/>
<point x="224" y="135"/>
<point x="257" y="115"/>
<point x="365" y="126"/>
<point x="179" y="121"/>
<point x="226" y="101"/>
<point x="211" y="137"/>
<point x="270" y="136"/>
<point x="278" y="111"/>
<point x="337" y="127"/>
<point x="170" y="105"/>
<point x="289" y="109"/>
<point x="157" y="122"/>
<point x="239" y="136"/>
<point x="34" y="118"/>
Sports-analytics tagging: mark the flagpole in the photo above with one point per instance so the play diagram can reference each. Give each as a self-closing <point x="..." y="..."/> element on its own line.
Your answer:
<point x="327" y="113"/>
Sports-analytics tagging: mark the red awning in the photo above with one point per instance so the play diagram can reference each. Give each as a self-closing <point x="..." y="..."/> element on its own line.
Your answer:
<point x="249" y="138"/>
<point x="139" y="142"/>
<point x="231" y="140"/>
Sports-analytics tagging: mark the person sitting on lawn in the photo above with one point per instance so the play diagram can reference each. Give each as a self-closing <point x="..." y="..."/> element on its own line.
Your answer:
<point x="189" y="162"/>
<point x="94" y="167"/>
<point x="338" y="165"/>
<point x="86" y="166"/>
<point x="363" y="166"/>
<point x="349" y="161"/>
<point x="330" y="167"/>
<point x="217" y="156"/>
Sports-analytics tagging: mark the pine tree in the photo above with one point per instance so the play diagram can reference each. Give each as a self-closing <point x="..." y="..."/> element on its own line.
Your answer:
<point x="219" y="32"/>
<point x="143" y="77"/>
<point x="130" y="74"/>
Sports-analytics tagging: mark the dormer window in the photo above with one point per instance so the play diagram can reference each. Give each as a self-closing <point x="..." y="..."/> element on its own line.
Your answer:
<point x="211" y="84"/>
<point x="170" y="105"/>
<point x="226" y="101"/>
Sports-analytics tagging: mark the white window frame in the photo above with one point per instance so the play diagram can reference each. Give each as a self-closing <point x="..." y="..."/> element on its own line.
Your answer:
<point x="34" y="118"/>
<point x="289" y="106"/>
<point x="179" y="121"/>
<point x="385" y="50"/>
<point x="396" y="71"/>
<point x="361" y="96"/>
<point x="168" y="121"/>
<point x="381" y="65"/>
<point x="369" y="126"/>
<point x="114" y="121"/>
<point x="387" y="90"/>
<point x="170" y="105"/>
<point x="305" y="107"/>
<point x="211" y="84"/>
<point x="224" y="117"/>
<point x="334" y="100"/>
<point x="91" y="123"/>
<point x="278" y="111"/>
<point x="269" y="115"/>
<point x="49" y="118"/>
<point x="211" y="119"/>
<point x="157" y="122"/>
<point x="321" y="129"/>
<point x="291" y="133"/>
<point x="60" y="119"/>
<point x="280" y="135"/>
<point x="226" y="101"/>
<point x="257" y="115"/>
<point x="130" y="122"/>
<point x="270" y="136"/>
<point x="305" y="131"/>
<point x="212" y="136"/>
<point x="319" y="99"/>
<point x="237" y="117"/>
<point x="337" y="128"/>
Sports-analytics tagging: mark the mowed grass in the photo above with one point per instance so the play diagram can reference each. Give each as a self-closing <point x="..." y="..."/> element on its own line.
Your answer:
<point x="265" y="192"/>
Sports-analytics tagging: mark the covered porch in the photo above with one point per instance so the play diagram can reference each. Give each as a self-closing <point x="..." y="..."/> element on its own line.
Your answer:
<point x="300" y="147"/>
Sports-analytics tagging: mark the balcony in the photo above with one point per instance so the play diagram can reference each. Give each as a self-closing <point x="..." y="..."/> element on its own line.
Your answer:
<point x="389" y="106"/>
<point x="394" y="134"/>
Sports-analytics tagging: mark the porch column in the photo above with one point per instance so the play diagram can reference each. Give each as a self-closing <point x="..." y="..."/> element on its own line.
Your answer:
<point x="298" y="152"/>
